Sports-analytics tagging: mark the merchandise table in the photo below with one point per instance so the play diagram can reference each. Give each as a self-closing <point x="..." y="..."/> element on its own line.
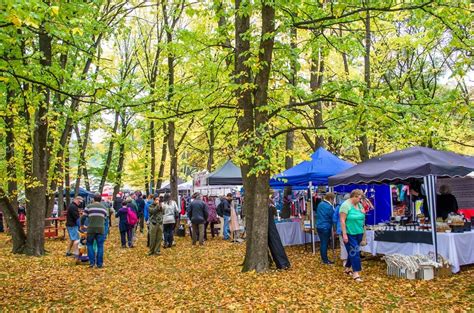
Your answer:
<point x="291" y="234"/>
<point x="457" y="248"/>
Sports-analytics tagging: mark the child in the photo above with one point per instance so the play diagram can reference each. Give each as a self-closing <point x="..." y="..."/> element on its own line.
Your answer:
<point x="82" y="257"/>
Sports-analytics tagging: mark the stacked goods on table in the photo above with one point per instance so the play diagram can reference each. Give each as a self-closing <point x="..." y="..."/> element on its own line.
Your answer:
<point x="411" y="266"/>
<point x="457" y="223"/>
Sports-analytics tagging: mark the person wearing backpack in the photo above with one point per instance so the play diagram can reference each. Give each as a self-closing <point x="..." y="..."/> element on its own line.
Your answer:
<point x="132" y="206"/>
<point x="155" y="219"/>
<point x="124" y="228"/>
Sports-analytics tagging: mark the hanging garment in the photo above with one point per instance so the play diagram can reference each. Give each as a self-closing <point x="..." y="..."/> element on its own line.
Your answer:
<point x="234" y="220"/>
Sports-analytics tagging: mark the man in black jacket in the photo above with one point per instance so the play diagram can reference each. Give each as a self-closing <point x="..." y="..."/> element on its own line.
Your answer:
<point x="223" y="210"/>
<point x="198" y="214"/>
<point x="72" y="225"/>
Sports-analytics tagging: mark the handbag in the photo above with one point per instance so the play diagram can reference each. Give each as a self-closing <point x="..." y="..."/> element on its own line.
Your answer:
<point x="363" y="242"/>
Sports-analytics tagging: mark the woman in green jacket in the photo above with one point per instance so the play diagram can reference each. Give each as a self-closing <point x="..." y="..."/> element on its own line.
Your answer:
<point x="352" y="218"/>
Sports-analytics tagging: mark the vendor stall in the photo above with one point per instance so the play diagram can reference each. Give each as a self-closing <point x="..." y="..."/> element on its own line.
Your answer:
<point x="307" y="175"/>
<point x="455" y="247"/>
<point x="414" y="165"/>
<point x="292" y="233"/>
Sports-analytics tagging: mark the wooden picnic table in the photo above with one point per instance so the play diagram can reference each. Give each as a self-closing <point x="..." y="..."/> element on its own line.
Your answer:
<point x="53" y="227"/>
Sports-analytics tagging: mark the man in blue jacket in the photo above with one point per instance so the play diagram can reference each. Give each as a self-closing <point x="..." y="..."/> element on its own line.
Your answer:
<point x="324" y="215"/>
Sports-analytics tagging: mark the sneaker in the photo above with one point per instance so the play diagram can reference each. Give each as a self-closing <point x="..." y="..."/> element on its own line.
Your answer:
<point x="68" y="254"/>
<point x="328" y="262"/>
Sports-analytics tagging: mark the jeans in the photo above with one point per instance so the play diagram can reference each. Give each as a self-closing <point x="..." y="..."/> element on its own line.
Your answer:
<point x="353" y="250"/>
<point x="95" y="259"/>
<point x="106" y="228"/>
<point x="168" y="231"/>
<point x="324" y="237"/>
<point x="127" y="233"/>
<point x="226" y="227"/>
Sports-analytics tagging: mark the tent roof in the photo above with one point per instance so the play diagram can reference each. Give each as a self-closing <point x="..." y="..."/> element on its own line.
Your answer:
<point x="228" y="174"/>
<point x="167" y="187"/>
<point x="414" y="162"/>
<point x="186" y="186"/>
<point x="317" y="170"/>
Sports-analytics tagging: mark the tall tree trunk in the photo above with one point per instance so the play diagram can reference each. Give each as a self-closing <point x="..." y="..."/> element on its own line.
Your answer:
<point x="67" y="175"/>
<point x="171" y="124"/>
<point x="364" y="143"/>
<point x="36" y="194"/>
<point x="110" y="152"/>
<point x="173" y="161"/>
<point x="10" y="153"/>
<point x="253" y="123"/>
<point x="82" y="163"/>
<point x="151" y="187"/>
<point x="11" y="217"/>
<point x="211" y="141"/>
<point x="316" y="81"/>
<point x="118" y="179"/>
<point x="164" y="153"/>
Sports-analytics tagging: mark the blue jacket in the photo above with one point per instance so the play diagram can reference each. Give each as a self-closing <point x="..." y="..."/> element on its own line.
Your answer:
<point x="324" y="215"/>
<point x="145" y="210"/>
<point x="337" y="220"/>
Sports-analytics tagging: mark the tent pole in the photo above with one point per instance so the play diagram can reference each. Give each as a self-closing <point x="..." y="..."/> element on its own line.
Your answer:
<point x="312" y="216"/>
<point x="430" y="188"/>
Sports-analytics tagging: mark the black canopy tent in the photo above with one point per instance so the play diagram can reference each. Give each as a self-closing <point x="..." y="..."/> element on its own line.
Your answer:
<point x="399" y="166"/>
<point x="228" y="174"/>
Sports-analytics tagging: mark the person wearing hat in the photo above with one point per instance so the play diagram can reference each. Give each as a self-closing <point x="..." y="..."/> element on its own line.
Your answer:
<point x="72" y="226"/>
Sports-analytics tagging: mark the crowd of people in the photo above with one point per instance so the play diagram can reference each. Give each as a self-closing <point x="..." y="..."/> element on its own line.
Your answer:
<point x="158" y="213"/>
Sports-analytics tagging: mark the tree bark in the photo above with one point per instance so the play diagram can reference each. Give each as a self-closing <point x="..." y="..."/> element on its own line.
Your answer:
<point x="364" y="142"/>
<point x="11" y="217"/>
<point x="82" y="164"/>
<point x="316" y="81"/>
<point x="10" y="153"/>
<point x="171" y="124"/>
<point x="110" y="152"/>
<point x="36" y="194"/>
<point x="252" y="123"/>
<point x="211" y="141"/>
<point x="118" y="179"/>
<point x="67" y="176"/>
<point x="151" y="187"/>
<point x="164" y="153"/>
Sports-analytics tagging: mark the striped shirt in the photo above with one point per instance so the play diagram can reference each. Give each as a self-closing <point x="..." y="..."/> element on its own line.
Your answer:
<point x="96" y="214"/>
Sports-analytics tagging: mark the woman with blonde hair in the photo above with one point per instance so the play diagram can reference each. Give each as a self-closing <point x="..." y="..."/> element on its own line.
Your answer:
<point x="352" y="218"/>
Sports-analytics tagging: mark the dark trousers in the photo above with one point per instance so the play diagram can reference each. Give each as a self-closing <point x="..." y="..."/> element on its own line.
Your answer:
<point x="168" y="232"/>
<point x="198" y="229"/>
<point x="141" y="222"/>
<point x="213" y="232"/>
<point x="127" y="233"/>
<point x="324" y="237"/>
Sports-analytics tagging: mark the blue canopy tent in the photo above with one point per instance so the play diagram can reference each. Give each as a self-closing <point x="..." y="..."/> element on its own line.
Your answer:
<point x="315" y="171"/>
<point x="307" y="174"/>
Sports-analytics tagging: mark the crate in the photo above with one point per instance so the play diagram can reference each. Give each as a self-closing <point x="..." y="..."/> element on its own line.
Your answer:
<point x="400" y="272"/>
<point x="426" y="272"/>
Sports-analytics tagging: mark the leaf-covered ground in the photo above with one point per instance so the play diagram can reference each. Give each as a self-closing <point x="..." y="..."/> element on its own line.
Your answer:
<point x="204" y="278"/>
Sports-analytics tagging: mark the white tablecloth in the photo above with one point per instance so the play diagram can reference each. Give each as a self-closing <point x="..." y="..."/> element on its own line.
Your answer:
<point x="458" y="248"/>
<point x="291" y="234"/>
